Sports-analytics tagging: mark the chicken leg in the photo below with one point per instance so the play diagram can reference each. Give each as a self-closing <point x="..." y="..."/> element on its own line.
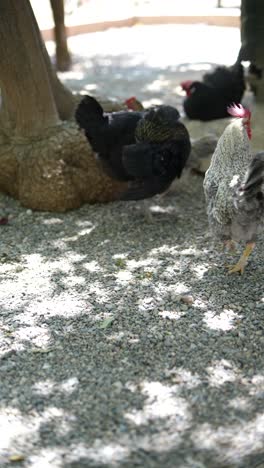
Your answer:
<point x="240" y="266"/>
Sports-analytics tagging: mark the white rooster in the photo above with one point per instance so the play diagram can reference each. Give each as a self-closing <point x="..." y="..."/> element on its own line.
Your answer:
<point x="234" y="187"/>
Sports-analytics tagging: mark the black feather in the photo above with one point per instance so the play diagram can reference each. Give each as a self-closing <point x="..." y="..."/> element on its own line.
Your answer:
<point x="141" y="189"/>
<point x="253" y="184"/>
<point x="90" y="116"/>
<point x="137" y="160"/>
<point x="154" y="166"/>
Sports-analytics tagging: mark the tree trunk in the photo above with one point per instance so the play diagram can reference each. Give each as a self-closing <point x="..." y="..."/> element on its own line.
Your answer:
<point x="45" y="160"/>
<point x="63" y="59"/>
<point x="64" y="99"/>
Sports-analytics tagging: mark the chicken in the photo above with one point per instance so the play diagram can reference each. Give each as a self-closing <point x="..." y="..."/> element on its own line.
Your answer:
<point x="148" y="149"/>
<point x="208" y="99"/>
<point x="234" y="187"/>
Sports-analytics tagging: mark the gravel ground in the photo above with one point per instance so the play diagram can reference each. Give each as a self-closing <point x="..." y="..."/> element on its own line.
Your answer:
<point x="126" y="343"/>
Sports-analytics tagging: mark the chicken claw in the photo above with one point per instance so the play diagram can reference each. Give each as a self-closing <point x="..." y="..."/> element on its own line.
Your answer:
<point x="238" y="268"/>
<point x="241" y="264"/>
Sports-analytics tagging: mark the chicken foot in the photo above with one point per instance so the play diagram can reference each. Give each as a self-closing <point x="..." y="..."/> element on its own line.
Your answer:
<point x="241" y="264"/>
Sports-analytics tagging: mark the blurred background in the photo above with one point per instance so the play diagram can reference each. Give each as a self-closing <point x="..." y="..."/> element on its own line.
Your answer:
<point x="80" y="11"/>
<point x="142" y="47"/>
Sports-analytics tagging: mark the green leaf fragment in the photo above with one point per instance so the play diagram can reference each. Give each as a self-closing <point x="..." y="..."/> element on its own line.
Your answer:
<point x="106" y="323"/>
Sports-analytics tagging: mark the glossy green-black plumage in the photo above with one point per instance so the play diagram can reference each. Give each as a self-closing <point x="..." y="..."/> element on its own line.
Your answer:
<point x="149" y="149"/>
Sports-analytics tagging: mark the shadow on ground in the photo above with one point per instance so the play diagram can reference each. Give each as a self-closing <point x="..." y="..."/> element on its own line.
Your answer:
<point x="126" y="343"/>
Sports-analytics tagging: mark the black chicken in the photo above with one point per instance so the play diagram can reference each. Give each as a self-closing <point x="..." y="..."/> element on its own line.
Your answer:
<point x="148" y="149"/>
<point x="208" y="99"/>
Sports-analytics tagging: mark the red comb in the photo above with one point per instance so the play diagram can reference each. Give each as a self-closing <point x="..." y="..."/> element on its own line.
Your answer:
<point x="237" y="110"/>
<point x="130" y="100"/>
<point x="186" y="84"/>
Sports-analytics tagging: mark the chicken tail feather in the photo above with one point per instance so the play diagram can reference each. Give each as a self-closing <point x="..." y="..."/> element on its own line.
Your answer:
<point x="90" y="116"/>
<point x="88" y="109"/>
<point x="253" y="185"/>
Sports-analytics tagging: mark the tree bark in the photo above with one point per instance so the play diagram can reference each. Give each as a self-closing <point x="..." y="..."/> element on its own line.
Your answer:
<point x="64" y="99"/>
<point x="63" y="58"/>
<point x="45" y="161"/>
<point x="23" y="67"/>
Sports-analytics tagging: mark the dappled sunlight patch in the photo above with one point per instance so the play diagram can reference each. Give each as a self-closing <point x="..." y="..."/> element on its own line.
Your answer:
<point x="91" y="87"/>
<point x="183" y="377"/>
<point x="117" y="337"/>
<point x="62" y="304"/>
<point x="73" y="280"/>
<point x="69" y="385"/>
<point x="14" y="425"/>
<point x="33" y="260"/>
<point x="146" y="303"/>
<point x="48" y="387"/>
<point x="39" y="267"/>
<point x="127" y="42"/>
<point x="103" y="319"/>
<point x="191" y="252"/>
<point x="59" y="419"/>
<point x="84" y="223"/>
<point x="200" y="270"/>
<point x="200" y="66"/>
<point x="169" y="272"/>
<point x="82" y="229"/>
<point x="256" y="385"/>
<point x="101" y="295"/>
<point x="177" y="289"/>
<point x="157" y="85"/>
<point x="81" y="232"/>
<point x="7" y="347"/>
<point x="148" y="262"/>
<point x="158" y="209"/>
<point x="16" y="428"/>
<point x="165" y="439"/>
<point x="179" y="255"/>
<point x="101" y="452"/>
<point x="240" y="404"/>
<point x="123" y="276"/>
<point x="86" y="231"/>
<point x="131" y="61"/>
<point x="44" y="387"/>
<point x="161" y="402"/>
<point x="52" y="221"/>
<point x="165" y="249"/>
<point x="223" y="321"/>
<point x="36" y="335"/>
<point x="152" y="102"/>
<point x="200" y="304"/>
<point x="120" y="260"/>
<point x="48" y="458"/>
<point x="234" y="442"/>
<point x="92" y="266"/>
<point x="171" y="314"/>
<point x="221" y="372"/>
<point x="129" y="270"/>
